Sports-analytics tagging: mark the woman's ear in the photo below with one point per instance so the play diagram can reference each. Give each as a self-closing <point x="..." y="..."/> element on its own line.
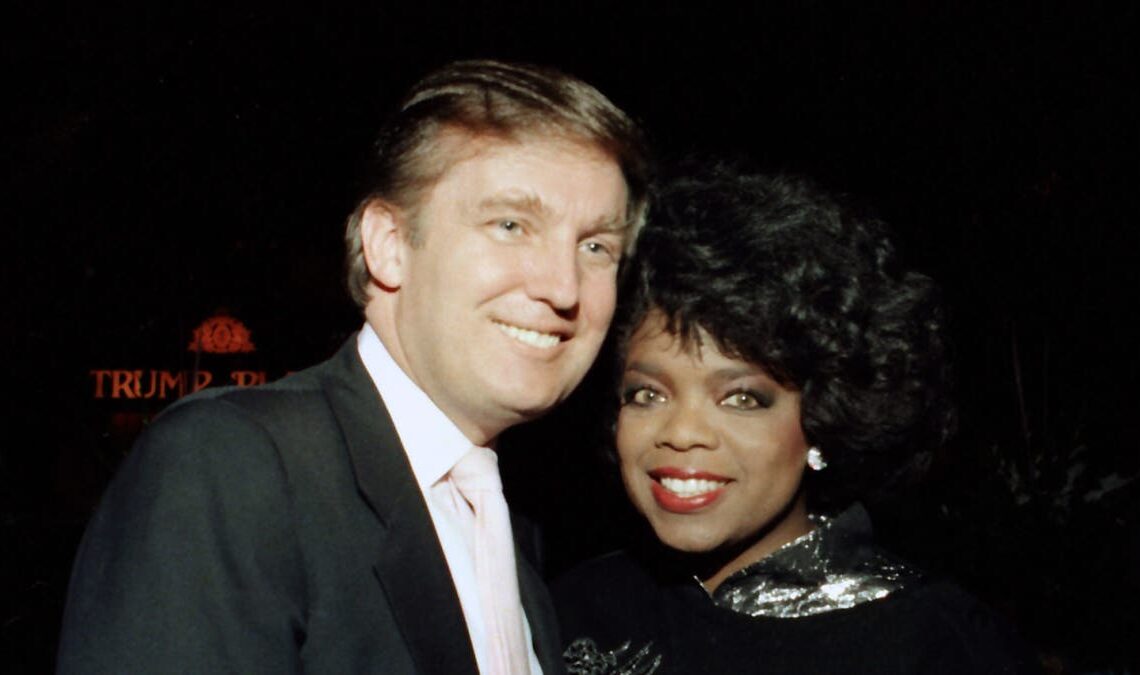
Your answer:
<point x="383" y="241"/>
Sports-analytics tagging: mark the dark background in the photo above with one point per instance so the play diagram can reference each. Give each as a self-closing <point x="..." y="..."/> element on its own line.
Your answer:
<point x="167" y="163"/>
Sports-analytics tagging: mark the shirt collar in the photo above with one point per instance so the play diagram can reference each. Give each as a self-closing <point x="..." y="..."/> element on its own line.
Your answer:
<point x="431" y="441"/>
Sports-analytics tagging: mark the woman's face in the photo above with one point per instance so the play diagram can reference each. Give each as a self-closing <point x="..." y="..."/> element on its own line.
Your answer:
<point x="711" y="447"/>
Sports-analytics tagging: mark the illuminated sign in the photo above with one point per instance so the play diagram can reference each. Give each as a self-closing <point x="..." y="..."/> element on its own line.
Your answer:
<point x="222" y="334"/>
<point x="219" y="334"/>
<point x="163" y="384"/>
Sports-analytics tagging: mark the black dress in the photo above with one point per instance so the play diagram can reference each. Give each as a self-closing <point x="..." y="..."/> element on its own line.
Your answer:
<point x="829" y="602"/>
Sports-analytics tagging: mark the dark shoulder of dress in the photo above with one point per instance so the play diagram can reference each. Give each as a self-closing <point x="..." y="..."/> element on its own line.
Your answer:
<point x="829" y="602"/>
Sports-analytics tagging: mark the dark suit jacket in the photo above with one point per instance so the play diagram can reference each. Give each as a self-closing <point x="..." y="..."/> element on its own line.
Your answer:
<point x="275" y="529"/>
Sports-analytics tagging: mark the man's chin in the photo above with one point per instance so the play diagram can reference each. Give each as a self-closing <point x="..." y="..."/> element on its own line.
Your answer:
<point x="527" y="412"/>
<point x="526" y="399"/>
<point x="532" y="406"/>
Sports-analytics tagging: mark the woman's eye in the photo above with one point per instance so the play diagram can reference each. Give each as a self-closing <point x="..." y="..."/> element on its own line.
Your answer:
<point x="509" y="225"/>
<point x="745" y="400"/>
<point x="642" y="396"/>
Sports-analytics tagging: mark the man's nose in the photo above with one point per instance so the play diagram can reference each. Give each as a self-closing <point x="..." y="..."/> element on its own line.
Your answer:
<point x="554" y="277"/>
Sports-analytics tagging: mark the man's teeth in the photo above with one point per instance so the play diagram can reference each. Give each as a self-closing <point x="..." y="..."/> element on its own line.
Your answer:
<point x="530" y="337"/>
<point x="691" y="487"/>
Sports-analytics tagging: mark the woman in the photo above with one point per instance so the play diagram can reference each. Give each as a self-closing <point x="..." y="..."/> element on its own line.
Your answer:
<point x="778" y="367"/>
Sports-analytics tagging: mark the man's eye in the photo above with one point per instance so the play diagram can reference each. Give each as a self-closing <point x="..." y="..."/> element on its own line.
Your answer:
<point x="600" y="248"/>
<point x="509" y="225"/>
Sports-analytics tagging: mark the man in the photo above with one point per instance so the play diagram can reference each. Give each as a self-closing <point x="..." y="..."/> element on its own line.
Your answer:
<point x="318" y="524"/>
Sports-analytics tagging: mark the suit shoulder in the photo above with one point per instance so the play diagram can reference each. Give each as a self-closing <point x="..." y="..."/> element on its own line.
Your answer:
<point x="307" y="382"/>
<point x="296" y="403"/>
<point x="233" y="433"/>
<point x="194" y="450"/>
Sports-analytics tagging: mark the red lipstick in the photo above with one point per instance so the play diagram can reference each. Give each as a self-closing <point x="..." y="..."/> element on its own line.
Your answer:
<point x="675" y="503"/>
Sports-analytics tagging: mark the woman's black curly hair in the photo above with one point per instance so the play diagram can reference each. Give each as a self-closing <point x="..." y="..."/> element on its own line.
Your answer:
<point x="779" y="274"/>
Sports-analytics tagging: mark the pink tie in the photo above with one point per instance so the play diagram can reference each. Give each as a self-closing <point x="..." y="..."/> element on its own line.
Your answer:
<point x="476" y="476"/>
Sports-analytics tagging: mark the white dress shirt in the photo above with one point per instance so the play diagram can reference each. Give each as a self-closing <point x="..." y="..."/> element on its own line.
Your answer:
<point x="433" y="445"/>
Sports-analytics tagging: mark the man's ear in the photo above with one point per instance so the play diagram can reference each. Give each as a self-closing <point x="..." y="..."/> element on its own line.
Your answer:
<point x="383" y="240"/>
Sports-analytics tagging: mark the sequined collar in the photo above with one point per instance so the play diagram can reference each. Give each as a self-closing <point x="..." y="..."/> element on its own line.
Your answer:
<point x="835" y="566"/>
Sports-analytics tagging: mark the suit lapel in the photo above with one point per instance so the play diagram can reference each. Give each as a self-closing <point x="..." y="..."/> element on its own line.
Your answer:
<point x="540" y="615"/>
<point x="410" y="564"/>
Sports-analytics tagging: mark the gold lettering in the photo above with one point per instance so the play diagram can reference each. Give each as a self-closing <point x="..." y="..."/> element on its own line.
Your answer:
<point x="100" y="376"/>
<point x="153" y="384"/>
<point x="122" y="384"/>
<point x="163" y="384"/>
<point x="202" y="379"/>
<point x="171" y="382"/>
<point x="247" y="378"/>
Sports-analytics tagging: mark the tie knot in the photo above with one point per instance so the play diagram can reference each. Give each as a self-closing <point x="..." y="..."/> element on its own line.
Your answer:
<point x="476" y="471"/>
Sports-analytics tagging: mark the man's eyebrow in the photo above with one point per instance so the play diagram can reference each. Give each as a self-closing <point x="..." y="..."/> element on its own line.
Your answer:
<point x="610" y="225"/>
<point x="532" y="204"/>
<point x="525" y="202"/>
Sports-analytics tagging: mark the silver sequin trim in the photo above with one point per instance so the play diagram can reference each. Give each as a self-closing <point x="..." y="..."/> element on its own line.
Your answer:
<point x="833" y="567"/>
<point x="583" y="657"/>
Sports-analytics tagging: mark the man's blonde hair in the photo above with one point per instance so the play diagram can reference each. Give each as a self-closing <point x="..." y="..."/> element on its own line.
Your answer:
<point x="495" y="99"/>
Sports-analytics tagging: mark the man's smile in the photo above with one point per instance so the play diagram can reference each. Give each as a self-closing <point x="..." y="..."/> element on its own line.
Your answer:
<point x="529" y="337"/>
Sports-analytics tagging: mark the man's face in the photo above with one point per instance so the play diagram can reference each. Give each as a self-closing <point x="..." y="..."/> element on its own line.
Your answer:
<point x="506" y="297"/>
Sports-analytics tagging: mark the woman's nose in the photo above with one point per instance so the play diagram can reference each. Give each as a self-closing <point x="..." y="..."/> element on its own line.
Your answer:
<point x="687" y="428"/>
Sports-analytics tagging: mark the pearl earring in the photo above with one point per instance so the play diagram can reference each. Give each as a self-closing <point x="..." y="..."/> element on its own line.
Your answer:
<point x="815" y="459"/>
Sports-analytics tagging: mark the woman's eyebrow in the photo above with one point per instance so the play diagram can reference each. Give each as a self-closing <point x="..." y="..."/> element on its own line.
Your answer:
<point x="643" y="368"/>
<point x="733" y="373"/>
